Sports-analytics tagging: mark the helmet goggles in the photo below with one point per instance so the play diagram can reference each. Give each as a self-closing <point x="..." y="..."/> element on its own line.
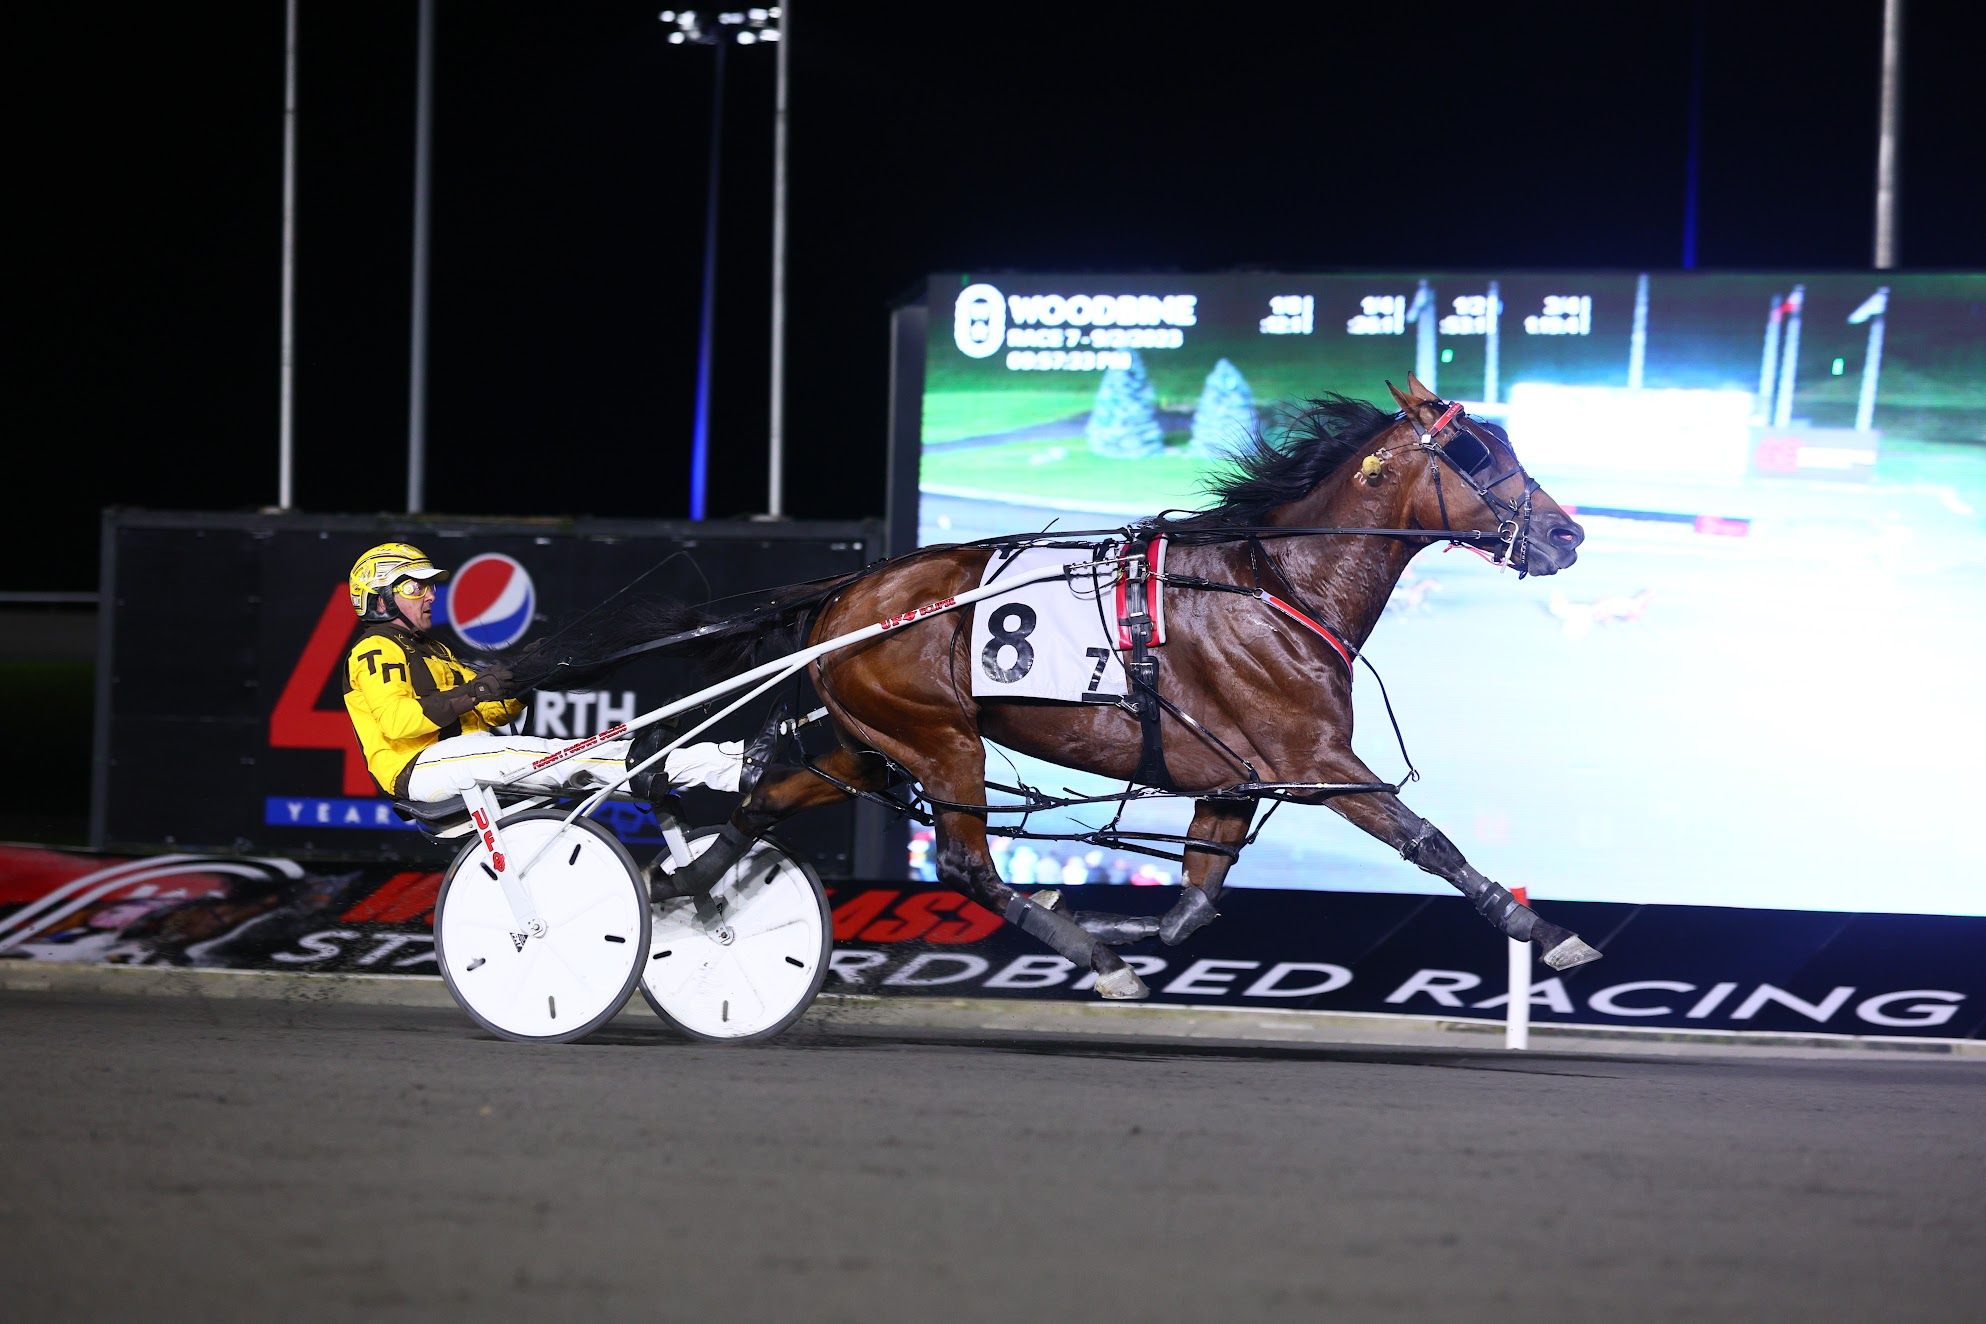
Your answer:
<point x="389" y="572"/>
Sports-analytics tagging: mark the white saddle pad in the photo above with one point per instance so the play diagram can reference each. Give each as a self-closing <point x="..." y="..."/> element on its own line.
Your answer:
<point x="1050" y="640"/>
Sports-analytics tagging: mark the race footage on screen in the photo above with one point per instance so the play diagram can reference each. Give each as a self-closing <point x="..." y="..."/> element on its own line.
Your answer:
<point x="1781" y="476"/>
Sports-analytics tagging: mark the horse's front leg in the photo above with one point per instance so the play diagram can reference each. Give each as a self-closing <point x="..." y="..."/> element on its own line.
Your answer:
<point x="1421" y="843"/>
<point x="1220" y="827"/>
<point x="1217" y="832"/>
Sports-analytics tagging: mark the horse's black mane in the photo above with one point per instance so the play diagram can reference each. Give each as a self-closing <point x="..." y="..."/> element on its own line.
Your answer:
<point x="1268" y="471"/>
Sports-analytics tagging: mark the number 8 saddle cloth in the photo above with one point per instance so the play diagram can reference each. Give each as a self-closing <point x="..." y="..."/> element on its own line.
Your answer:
<point x="1062" y="639"/>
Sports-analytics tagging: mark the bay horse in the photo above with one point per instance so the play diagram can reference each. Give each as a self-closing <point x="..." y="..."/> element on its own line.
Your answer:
<point x="1264" y="685"/>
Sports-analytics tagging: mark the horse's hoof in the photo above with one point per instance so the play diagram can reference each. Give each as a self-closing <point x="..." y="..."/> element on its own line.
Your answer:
<point x="1122" y="985"/>
<point x="1571" y="954"/>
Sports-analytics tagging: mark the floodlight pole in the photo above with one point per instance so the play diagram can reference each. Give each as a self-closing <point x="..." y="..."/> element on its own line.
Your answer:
<point x="700" y="442"/>
<point x="417" y="383"/>
<point x="1693" y="162"/>
<point x="747" y="27"/>
<point x="1889" y="132"/>
<point x="286" y="411"/>
<point x="775" y="503"/>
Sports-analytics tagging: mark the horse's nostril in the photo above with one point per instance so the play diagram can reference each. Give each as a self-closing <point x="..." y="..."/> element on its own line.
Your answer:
<point x="1565" y="536"/>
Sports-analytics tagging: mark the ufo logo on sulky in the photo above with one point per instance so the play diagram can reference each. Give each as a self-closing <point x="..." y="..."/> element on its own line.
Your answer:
<point x="489" y="601"/>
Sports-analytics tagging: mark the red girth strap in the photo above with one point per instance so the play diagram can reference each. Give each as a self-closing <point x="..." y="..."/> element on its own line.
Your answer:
<point x="1338" y="645"/>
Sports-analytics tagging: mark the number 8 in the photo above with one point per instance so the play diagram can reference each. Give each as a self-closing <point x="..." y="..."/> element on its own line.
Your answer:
<point x="1023" y="619"/>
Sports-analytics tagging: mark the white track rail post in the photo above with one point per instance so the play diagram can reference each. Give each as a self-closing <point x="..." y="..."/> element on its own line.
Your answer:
<point x="1789" y="358"/>
<point x="1425" y="319"/>
<point x="1872" y="311"/>
<point x="1637" y="344"/>
<point x="1768" y="372"/>
<point x="1517" y="1011"/>
<point x="1492" y="347"/>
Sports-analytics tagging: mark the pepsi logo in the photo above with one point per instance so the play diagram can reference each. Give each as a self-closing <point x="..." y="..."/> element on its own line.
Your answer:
<point x="489" y="601"/>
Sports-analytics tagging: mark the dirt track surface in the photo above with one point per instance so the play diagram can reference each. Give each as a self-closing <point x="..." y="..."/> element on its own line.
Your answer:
<point x="232" y="1159"/>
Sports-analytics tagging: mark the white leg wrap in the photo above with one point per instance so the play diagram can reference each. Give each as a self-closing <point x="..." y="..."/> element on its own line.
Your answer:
<point x="1570" y="953"/>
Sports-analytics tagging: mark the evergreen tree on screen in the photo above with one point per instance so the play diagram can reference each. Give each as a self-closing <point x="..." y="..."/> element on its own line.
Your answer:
<point x="1124" y="421"/>
<point x="1225" y="416"/>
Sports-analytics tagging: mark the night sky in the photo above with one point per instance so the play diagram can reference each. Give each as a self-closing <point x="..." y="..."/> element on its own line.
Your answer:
<point x="571" y="147"/>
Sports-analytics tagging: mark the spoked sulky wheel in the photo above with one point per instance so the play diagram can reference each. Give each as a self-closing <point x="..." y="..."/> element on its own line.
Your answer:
<point x="749" y="963"/>
<point x="573" y="978"/>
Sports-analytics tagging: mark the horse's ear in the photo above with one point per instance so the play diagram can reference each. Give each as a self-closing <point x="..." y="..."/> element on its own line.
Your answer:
<point x="1420" y="391"/>
<point x="1406" y="401"/>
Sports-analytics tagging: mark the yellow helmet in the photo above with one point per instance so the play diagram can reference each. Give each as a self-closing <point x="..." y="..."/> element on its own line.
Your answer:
<point x="382" y="570"/>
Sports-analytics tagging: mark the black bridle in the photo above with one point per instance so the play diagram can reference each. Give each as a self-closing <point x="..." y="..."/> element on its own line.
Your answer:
<point x="1467" y="452"/>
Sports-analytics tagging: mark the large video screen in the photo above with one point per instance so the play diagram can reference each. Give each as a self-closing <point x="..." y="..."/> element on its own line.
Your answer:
<point x="1762" y="685"/>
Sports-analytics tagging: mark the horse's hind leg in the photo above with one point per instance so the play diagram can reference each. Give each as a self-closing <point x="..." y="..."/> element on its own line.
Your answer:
<point x="785" y="790"/>
<point x="779" y="792"/>
<point x="964" y="862"/>
<point x="951" y="765"/>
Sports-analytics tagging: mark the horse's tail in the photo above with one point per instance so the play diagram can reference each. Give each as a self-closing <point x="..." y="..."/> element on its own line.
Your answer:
<point x="595" y="645"/>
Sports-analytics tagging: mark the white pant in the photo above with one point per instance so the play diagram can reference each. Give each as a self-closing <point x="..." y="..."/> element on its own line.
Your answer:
<point x="449" y="767"/>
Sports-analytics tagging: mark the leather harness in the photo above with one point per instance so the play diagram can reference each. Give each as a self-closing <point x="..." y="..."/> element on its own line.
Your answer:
<point x="1137" y="624"/>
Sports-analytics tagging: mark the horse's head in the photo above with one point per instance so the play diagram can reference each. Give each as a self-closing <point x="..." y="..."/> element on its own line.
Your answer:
<point x="1461" y="475"/>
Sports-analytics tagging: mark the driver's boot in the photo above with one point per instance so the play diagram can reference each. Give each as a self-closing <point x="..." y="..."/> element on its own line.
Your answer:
<point x="652" y="785"/>
<point x="763" y="747"/>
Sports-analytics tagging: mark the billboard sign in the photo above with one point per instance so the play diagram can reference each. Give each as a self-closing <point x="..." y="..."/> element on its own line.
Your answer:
<point x="221" y="716"/>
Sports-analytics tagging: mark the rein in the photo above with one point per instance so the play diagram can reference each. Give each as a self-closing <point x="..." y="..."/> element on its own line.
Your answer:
<point x="1205" y="535"/>
<point x="730" y="625"/>
<point x="1199" y="537"/>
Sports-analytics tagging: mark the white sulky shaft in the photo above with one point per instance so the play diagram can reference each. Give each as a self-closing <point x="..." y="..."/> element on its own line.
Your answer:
<point x="767" y="675"/>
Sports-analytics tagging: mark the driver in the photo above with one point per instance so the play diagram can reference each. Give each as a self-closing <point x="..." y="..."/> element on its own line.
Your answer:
<point x="427" y="722"/>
